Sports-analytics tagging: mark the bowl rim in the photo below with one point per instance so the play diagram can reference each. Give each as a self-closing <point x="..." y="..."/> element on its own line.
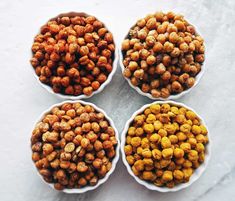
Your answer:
<point x="81" y="96"/>
<point x="114" y="161"/>
<point x="197" y="173"/>
<point x="171" y="97"/>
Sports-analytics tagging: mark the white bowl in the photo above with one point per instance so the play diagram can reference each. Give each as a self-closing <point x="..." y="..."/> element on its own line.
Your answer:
<point x="171" y="97"/>
<point x="82" y="96"/>
<point x="114" y="161"/>
<point x="197" y="173"/>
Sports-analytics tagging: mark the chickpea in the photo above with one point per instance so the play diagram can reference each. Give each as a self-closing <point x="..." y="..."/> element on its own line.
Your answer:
<point x="136" y="141"/>
<point x="185" y="128"/>
<point x="47" y="148"/>
<point x="150" y="40"/>
<point x="139" y="165"/>
<point x="145" y="143"/>
<point x="200" y="147"/>
<point x="146" y="153"/>
<point x="85" y="142"/>
<point x="178" y="153"/>
<point x="178" y="174"/>
<point x="196" y="129"/>
<point x="155" y="138"/>
<point x="139" y="131"/>
<point x="167" y="176"/>
<point x="130" y="159"/>
<point x="165" y="143"/>
<point x="157" y="125"/>
<point x="167" y="153"/>
<point x="186" y="147"/>
<point x="149" y="128"/>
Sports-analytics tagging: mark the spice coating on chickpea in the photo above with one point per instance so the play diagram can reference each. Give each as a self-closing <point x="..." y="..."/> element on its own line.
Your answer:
<point x="68" y="155"/>
<point x="165" y="48"/>
<point x="73" y="55"/>
<point x="171" y="146"/>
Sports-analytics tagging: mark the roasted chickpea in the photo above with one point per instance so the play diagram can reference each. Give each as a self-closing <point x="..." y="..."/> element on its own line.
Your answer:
<point x="165" y="144"/>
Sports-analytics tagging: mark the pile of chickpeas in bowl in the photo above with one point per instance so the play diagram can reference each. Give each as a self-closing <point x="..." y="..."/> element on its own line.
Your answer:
<point x="162" y="56"/>
<point x="75" y="147"/>
<point x="73" y="56"/>
<point x="164" y="144"/>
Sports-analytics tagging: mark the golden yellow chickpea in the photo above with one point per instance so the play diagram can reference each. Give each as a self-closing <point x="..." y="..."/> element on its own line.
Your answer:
<point x="179" y="161"/>
<point x="190" y="115"/>
<point x="203" y="130"/>
<point x="128" y="150"/>
<point x="135" y="171"/>
<point x="201" y="157"/>
<point x="128" y="139"/>
<point x="151" y="118"/>
<point x="187" y="173"/>
<point x="167" y="153"/>
<point x="157" y="125"/>
<point x="139" y="131"/>
<point x="139" y="119"/>
<point x="139" y="150"/>
<point x="136" y="141"/>
<point x="164" y="163"/>
<point x="180" y="118"/>
<point x="131" y="131"/>
<point x="145" y="143"/>
<point x="200" y="138"/>
<point x="147" y="112"/>
<point x="187" y="164"/>
<point x="185" y="128"/>
<point x="130" y="159"/>
<point x="148" y="175"/>
<point x="146" y="153"/>
<point x="173" y="139"/>
<point x="178" y="153"/>
<point x="185" y="146"/>
<point x="176" y="125"/>
<point x="200" y="147"/>
<point x="170" y="128"/>
<point x="182" y="110"/>
<point x="148" y="128"/>
<point x="178" y="174"/>
<point x="165" y="142"/>
<point x="148" y="162"/>
<point x="196" y="129"/>
<point x="155" y="138"/>
<point x="165" y="108"/>
<point x="139" y="165"/>
<point x="155" y="108"/>
<point x="175" y="110"/>
<point x="157" y="154"/>
<point x="192" y="141"/>
<point x="162" y="132"/>
<point x="167" y="176"/>
<point x="193" y="155"/>
<point x="181" y="136"/>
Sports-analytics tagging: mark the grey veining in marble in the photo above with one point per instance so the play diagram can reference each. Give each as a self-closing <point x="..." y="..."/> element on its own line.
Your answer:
<point x="22" y="99"/>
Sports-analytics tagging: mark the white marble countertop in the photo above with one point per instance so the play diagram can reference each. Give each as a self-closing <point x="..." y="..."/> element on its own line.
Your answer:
<point x="22" y="99"/>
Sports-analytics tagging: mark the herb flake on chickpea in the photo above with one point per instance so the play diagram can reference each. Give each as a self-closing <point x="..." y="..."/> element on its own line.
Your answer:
<point x="162" y="47"/>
